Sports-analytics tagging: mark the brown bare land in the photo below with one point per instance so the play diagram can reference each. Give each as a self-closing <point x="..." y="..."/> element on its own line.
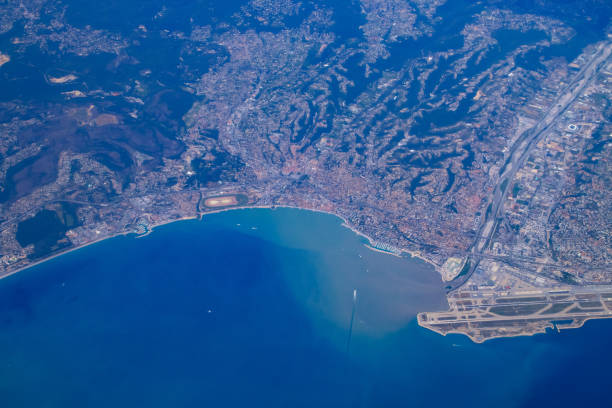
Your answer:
<point x="224" y="201"/>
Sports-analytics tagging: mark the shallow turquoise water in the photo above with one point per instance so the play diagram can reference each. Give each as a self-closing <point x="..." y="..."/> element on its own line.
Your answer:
<point x="211" y="313"/>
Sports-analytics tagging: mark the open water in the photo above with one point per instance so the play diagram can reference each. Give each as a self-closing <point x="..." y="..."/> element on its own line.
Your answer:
<point x="252" y="308"/>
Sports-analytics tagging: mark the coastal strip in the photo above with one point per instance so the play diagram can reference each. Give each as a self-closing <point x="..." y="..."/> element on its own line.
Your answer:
<point x="212" y="210"/>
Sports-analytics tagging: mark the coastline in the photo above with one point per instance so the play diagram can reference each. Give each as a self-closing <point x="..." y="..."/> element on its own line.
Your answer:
<point x="75" y="248"/>
<point x="382" y="251"/>
<point x="344" y="223"/>
<point x="481" y="341"/>
<point x="580" y="323"/>
<point x="201" y="215"/>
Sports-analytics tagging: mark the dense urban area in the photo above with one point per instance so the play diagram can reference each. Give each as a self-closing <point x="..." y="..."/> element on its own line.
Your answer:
<point x="474" y="136"/>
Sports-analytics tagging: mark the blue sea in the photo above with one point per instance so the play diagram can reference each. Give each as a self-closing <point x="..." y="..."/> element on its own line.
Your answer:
<point x="253" y="308"/>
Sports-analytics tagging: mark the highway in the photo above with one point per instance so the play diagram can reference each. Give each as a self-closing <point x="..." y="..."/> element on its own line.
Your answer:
<point x="519" y="152"/>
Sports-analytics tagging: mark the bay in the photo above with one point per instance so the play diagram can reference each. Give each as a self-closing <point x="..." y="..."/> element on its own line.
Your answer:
<point x="253" y="308"/>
